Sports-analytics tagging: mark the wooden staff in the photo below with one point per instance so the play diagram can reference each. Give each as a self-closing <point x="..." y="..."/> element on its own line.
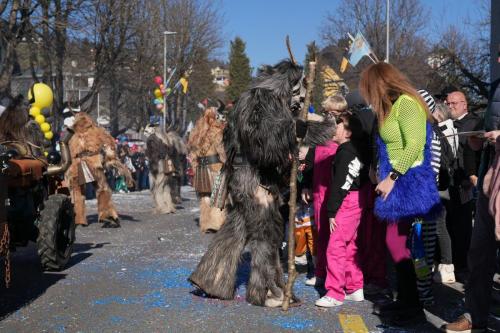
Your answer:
<point x="292" y="203"/>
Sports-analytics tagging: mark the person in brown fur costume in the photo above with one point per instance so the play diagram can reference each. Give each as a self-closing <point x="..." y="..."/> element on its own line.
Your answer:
<point x="207" y="155"/>
<point x="92" y="150"/>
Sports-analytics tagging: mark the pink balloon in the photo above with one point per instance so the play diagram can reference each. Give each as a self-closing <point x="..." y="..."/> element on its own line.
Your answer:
<point x="158" y="80"/>
<point x="159" y="106"/>
<point x="162" y="91"/>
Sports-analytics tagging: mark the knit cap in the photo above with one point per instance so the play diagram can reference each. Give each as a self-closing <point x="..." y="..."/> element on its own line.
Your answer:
<point x="429" y="100"/>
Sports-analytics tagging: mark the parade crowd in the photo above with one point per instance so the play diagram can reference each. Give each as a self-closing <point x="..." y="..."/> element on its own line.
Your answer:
<point x="403" y="177"/>
<point x="396" y="178"/>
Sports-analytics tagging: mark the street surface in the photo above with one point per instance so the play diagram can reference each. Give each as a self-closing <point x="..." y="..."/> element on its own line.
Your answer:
<point x="133" y="279"/>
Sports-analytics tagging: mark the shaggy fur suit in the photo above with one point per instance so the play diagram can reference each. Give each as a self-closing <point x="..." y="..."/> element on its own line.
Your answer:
<point x="206" y="140"/>
<point x="259" y="141"/>
<point x="96" y="148"/>
<point x="164" y="149"/>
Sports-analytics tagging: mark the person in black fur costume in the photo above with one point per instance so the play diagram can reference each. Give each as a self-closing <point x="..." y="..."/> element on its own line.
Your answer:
<point x="165" y="152"/>
<point x="260" y="140"/>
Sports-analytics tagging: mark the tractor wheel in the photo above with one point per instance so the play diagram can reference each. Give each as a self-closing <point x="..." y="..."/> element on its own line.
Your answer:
<point x="56" y="232"/>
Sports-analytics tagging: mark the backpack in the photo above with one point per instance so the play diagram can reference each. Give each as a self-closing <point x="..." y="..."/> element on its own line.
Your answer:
<point x="443" y="158"/>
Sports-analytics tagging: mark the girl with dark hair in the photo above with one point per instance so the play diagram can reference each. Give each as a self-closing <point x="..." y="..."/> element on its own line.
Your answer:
<point x="407" y="189"/>
<point x="344" y="279"/>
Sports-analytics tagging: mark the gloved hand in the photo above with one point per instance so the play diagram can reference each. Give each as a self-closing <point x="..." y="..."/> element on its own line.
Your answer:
<point x="300" y="128"/>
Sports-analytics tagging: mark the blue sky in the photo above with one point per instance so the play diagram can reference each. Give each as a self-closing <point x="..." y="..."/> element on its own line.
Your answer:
<point x="263" y="24"/>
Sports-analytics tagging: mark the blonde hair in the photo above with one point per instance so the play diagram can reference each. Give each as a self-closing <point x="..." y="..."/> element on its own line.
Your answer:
<point x="381" y="84"/>
<point x="334" y="103"/>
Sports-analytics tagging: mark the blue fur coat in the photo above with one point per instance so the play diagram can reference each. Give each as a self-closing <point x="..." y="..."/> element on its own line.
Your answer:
<point x="415" y="194"/>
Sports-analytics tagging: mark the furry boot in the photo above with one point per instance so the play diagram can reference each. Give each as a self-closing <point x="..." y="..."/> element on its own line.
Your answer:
<point x="161" y="194"/>
<point x="79" y="203"/>
<point x="106" y="210"/>
<point x="211" y="218"/>
<point x="216" y="272"/>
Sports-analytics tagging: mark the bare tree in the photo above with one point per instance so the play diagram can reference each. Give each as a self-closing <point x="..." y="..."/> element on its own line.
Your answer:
<point x="408" y="47"/>
<point x="198" y="25"/>
<point x="14" y="22"/>
<point x="464" y="55"/>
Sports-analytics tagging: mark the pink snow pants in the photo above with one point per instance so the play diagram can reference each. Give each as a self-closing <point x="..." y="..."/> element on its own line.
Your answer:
<point x="343" y="264"/>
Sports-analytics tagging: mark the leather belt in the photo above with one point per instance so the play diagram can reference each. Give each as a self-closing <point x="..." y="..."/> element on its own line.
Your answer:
<point x="207" y="160"/>
<point x="86" y="154"/>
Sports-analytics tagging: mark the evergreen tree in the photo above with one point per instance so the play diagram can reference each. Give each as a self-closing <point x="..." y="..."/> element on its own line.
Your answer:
<point x="239" y="69"/>
<point x="317" y="93"/>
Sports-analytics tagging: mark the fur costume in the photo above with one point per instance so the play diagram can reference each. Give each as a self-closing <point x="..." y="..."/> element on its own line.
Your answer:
<point x="418" y="182"/>
<point x="259" y="140"/>
<point x="165" y="152"/>
<point x="92" y="150"/>
<point x="205" y="141"/>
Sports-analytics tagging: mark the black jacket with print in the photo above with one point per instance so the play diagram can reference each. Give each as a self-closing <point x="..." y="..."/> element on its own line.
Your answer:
<point x="349" y="173"/>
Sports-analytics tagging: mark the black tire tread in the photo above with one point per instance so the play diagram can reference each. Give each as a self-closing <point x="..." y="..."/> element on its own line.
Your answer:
<point x="50" y="258"/>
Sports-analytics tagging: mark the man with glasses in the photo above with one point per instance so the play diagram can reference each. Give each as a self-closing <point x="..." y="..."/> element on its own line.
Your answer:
<point x="464" y="179"/>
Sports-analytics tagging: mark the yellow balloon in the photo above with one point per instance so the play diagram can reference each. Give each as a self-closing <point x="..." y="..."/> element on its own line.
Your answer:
<point x="45" y="127"/>
<point x="41" y="95"/>
<point x="40" y="119"/>
<point x="46" y="153"/>
<point x="34" y="111"/>
<point x="48" y="135"/>
<point x="157" y="93"/>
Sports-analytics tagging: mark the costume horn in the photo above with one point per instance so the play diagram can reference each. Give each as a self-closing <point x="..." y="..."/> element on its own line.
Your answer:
<point x="292" y="58"/>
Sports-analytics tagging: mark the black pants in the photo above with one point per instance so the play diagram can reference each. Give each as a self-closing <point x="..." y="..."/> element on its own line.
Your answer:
<point x="459" y="221"/>
<point x="482" y="262"/>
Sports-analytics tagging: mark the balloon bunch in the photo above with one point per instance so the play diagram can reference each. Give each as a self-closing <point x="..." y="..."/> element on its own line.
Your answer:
<point x="41" y="98"/>
<point x="160" y="93"/>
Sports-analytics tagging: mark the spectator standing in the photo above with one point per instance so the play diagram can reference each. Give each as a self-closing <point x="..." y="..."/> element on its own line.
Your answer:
<point x="404" y="173"/>
<point x="486" y="232"/>
<point x="318" y="165"/>
<point x="464" y="179"/>
<point x="141" y="172"/>
<point x="344" y="278"/>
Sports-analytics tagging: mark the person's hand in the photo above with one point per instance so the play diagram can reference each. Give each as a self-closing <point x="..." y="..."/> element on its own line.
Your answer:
<point x="303" y="152"/>
<point x="492" y="136"/>
<point x="306" y="195"/>
<point x="385" y="187"/>
<point x="333" y="224"/>
<point x="473" y="180"/>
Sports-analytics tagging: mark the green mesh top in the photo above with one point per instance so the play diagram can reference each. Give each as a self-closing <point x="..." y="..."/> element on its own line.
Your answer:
<point x="404" y="133"/>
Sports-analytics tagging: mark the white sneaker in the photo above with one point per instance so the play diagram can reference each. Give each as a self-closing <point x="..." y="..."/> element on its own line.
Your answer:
<point x="315" y="282"/>
<point x="356" y="296"/>
<point x="328" y="302"/>
<point x="311" y="282"/>
<point x="302" y="260"/>
<point x="445" y="274"/>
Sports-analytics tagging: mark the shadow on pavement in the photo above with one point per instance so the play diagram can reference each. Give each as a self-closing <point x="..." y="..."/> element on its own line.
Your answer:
<point x="91" y="219"/>
<point x="28" y="282"/>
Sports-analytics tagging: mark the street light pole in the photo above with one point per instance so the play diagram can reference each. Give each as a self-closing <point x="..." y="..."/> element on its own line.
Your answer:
<point x="387" y="32"/>
<point x="165" y="33"/>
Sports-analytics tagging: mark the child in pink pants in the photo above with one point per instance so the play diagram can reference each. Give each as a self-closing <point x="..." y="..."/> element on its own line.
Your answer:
<point x="344" y="279"/>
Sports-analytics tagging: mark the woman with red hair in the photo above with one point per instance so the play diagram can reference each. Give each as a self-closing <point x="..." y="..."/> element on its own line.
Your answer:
<point x="407" y="189"/>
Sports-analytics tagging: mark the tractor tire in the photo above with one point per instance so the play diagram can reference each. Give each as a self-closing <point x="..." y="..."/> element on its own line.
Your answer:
<point x="56" y="232"/>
